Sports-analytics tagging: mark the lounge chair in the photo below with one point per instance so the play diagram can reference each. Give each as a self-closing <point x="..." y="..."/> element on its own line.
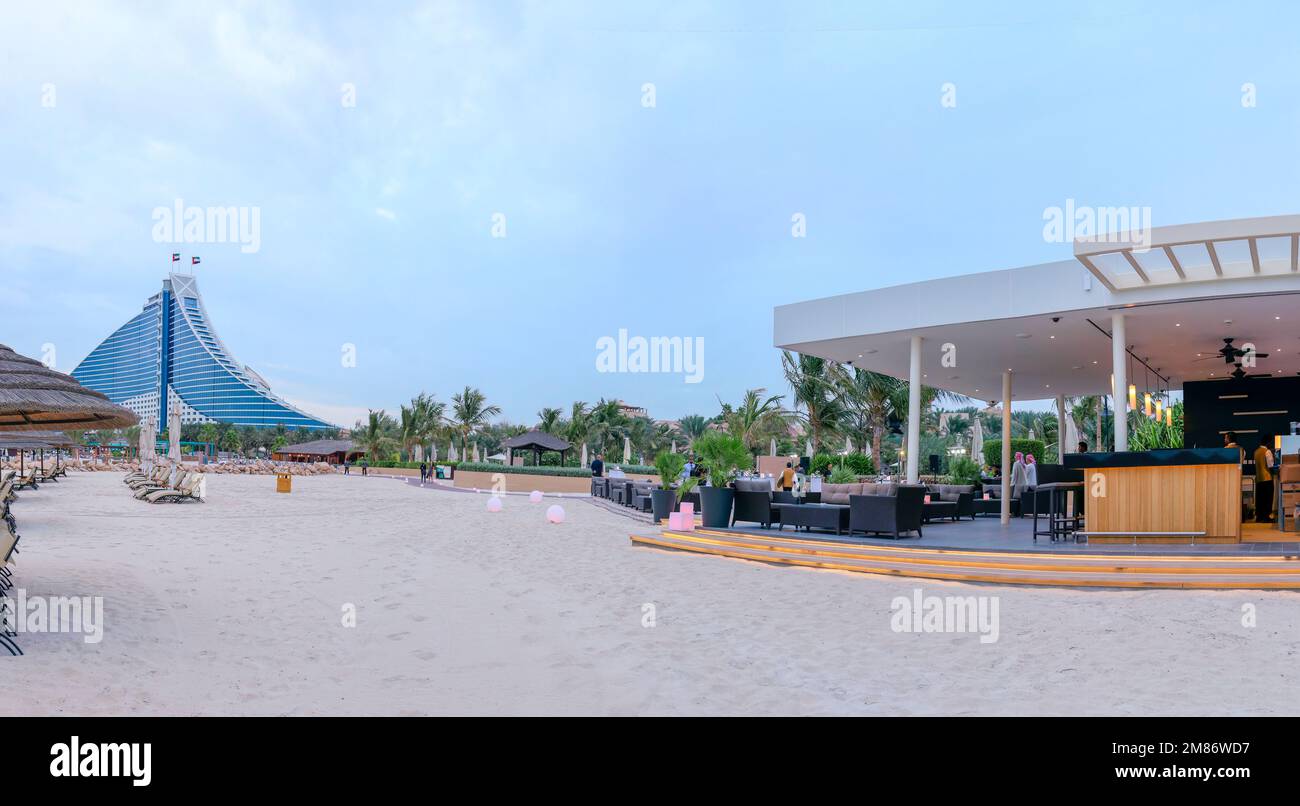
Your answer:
<point x="187" y="491"/>
<point x="145" y="489"/>
<point x="888" y="514"/>
<point x="26" y="481"/>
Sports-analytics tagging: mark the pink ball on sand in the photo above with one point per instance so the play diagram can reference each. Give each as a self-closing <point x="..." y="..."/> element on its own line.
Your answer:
<point x="494" y="504"/>
<point x="555" y="513"/>
<point x="535" y="496"/>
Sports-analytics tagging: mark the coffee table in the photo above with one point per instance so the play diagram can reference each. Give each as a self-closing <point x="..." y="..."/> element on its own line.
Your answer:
<point x="939" y="509"/>
<point x="821" y="516"/>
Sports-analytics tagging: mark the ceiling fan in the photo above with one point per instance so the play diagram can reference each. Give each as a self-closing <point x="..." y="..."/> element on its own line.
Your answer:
<point x="1239" y="373"/>
<point x="1231" y="354"/>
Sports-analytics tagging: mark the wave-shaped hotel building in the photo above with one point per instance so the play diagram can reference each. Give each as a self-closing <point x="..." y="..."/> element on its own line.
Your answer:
<point x="170" y="352"/>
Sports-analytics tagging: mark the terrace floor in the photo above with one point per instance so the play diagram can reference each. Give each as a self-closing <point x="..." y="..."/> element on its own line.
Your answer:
<point x="986" y="533"/>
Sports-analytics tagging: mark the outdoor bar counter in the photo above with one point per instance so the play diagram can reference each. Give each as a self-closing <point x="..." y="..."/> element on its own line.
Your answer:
<point x="1182" y="495"/>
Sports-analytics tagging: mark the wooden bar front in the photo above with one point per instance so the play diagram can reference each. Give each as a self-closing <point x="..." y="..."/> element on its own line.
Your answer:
<point x="1172" y="495"/>
<point x="1177" y="498"/>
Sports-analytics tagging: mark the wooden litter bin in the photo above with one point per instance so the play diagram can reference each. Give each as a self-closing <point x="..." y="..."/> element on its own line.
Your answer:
<point x="283" y="483"/>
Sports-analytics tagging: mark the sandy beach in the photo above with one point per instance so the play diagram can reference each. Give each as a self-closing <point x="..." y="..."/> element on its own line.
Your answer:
<point x="236" y="606"/>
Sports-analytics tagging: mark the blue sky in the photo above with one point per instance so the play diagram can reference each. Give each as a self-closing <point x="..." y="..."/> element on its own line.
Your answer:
<point x="671" y="220"/>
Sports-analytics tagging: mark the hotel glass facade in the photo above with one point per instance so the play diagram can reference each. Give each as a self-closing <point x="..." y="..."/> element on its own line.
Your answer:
<point x="169" y="352"/>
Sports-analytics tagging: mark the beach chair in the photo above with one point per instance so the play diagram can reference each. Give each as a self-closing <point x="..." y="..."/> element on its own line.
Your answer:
<point x="8" y="547"/>
<point x="157" y="478"/>
<point x="144" y="490"/>
<point x="25" y="481"/>
<point x="187" y="491"/>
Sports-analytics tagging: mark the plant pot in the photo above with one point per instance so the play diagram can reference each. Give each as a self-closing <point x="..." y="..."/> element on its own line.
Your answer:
<point x="662" y="503"/>
<point x="716" y="505"/>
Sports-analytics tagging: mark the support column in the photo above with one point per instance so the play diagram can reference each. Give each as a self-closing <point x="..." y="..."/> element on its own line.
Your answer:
<point x="1006" y="447"/>
<point x="1060" y="429"/>
<point x="1119" y="368"/>
<point x="914" y="412"/>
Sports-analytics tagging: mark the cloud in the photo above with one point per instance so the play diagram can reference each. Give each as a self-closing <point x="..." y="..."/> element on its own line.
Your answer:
<point x="342" y="416"/>
<point x="384" y="213"/>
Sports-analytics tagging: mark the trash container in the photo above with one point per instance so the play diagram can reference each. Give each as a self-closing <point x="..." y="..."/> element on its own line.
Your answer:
<point x="283" y="483"/>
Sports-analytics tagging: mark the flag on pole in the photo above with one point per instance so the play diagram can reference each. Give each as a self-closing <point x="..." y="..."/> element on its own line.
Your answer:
<point x="176" y="256"/>
<point x="194" y="261"/>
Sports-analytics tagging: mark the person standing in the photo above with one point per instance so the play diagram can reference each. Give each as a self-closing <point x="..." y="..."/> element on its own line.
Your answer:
<point x="365" y="465"/>
<point x="1264" y="481"/>
<point x="787" y="477"/>
<point x="598" y="466"/>
<point x="424" y="472"/>
<point x="1083" y="446"/>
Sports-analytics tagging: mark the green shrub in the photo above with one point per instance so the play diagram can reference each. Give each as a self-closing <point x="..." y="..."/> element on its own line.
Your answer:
<point x="531" y="470"/>
<point x="993" y="450"/>
<point x="860" y="464"/>
<point x="963" y="470"/>
<point x="822" y="463"/>
<point x="722" y="455"/>
<point x="407" y="465"/>
<point x="669" y="465"/>
<point x="843" y="475"/>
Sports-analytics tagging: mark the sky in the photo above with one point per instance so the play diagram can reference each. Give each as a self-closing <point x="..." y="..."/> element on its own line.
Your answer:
<point x="476" y="193"/>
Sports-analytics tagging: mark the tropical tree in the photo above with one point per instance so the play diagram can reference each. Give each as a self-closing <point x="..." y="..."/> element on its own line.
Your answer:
<point x="375" y="435"/>
<point x="230" y="441"/>
<point x="814" y="389"/>
<point x="693" y="426"/>
<point x="575" y="429"/>
<point x="548" y="420"/>
<point x="469" y="412"/>
<point x="756" y="420"/>
<point x="869" y="398"/>
<point x="607" y="425"/>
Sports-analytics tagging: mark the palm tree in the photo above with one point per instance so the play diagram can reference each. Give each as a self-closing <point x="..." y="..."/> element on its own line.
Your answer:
<point x="469" y="412"/>
<point x="755" y="420"/>
<point x="549" y="420"/>
<point x="870" y="397"/>
<point x="813" y="384"/>
<point x="607" y="424"/>
<point x="409" y="428"/>
<point x="374" y="435"/>
<point x="693" y="427"/>
<point x="575" y="430"/>
<point x="430" y="420"/>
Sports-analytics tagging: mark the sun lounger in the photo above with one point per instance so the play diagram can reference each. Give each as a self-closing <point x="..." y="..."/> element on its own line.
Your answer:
<point x="145" y="489"/>
<point x="188" y="491"/>
<point x="26" y="481"/>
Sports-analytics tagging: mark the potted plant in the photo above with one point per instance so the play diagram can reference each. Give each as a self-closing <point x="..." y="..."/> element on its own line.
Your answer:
<point x="662" y="498"/>
<point x="720" y="454"/>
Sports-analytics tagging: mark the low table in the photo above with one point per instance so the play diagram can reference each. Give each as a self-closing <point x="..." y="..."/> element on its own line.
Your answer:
<point x="939" y="509"/>
<point x="822" y="516"/>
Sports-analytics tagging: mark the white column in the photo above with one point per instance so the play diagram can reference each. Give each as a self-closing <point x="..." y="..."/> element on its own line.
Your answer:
<point x="1119" y="366"/>
<point x="914" y="412"/>
<point x="1006" y="447"/>
<point x="1060" y="430"/>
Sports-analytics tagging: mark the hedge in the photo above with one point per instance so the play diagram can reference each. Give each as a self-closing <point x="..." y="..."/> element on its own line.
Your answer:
<point x="532" y="470"/>
<point x="407" y="465"/>
<point x="993" y="450"/>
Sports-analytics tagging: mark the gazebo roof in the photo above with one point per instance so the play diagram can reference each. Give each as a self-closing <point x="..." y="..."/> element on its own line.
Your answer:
<point x="537" y="440"/>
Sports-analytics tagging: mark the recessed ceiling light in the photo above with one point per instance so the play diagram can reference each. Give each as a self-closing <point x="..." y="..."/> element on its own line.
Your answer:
<point x="1022" y="335"/>
<point x="1051" y="337"/>
<point x="1178" y="324"/>
<point x="1277" y="317"/>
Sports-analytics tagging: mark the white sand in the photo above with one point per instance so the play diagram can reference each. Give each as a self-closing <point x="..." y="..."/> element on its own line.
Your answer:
<point x="234" y="607"/>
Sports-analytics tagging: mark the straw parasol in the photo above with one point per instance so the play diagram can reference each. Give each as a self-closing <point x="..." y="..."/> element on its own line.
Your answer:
<point x="33" y="396"/>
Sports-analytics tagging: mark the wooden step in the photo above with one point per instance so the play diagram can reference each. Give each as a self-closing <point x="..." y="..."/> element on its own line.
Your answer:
<point x="1008" y="568"/>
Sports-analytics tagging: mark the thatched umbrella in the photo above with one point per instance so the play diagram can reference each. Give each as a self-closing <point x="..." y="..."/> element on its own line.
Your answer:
<point x="32" y="396"/>
<point x="24" y="441"/>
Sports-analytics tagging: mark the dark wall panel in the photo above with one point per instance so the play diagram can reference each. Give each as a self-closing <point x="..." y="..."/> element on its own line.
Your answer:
<point x="1211" y="407"/>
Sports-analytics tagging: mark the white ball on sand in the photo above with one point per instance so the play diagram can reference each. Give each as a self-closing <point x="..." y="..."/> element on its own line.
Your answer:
<point x="494" y="504"/>
<point x="555" y="513"/>
<point x="535" y="496"/>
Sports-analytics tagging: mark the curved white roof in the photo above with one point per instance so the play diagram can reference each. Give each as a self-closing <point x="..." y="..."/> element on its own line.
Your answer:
<point x="1050" y="323"/>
